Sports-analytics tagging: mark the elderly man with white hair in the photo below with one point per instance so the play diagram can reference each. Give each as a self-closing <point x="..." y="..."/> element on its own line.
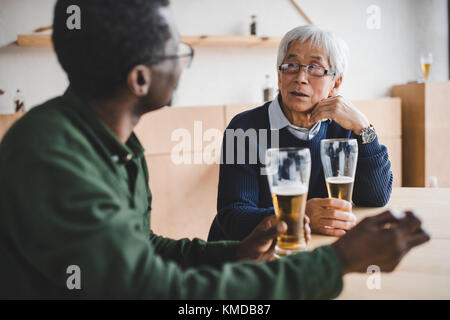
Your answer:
<point x="311" y="65"/>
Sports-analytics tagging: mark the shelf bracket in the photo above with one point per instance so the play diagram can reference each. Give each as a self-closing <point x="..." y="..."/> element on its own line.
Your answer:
<point x="304" y="15"/>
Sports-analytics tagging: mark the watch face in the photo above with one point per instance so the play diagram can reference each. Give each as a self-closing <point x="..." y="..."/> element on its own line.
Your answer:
<point x="368" y="135"/>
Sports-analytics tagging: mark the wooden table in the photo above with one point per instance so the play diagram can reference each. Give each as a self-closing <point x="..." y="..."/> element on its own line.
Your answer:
<point x="424" y="272"/>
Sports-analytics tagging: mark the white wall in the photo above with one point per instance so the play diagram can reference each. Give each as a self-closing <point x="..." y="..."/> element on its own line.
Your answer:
<point x="379" y="58"/>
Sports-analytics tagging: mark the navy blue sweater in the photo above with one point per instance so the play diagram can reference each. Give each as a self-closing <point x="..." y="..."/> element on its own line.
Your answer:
<point x="244" y="198"/>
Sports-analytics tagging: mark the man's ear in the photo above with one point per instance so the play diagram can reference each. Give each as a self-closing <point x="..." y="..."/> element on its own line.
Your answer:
<point x="335" y="88"/>
<point x="139" y="80"/>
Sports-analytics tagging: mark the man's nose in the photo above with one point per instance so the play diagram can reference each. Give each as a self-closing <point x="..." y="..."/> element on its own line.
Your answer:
<point x="302" y="76"/>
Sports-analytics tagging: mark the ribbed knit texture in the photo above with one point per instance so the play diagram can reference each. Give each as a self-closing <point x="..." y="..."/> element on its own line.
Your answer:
<point x="244" y="197"/>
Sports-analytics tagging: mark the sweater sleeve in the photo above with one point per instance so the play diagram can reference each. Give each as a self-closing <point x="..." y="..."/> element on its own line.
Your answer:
<point x="238" y="211"/>
<point x="189" y="253"/>
<point x="306" y="275"/>
<point x="373" y="178"/>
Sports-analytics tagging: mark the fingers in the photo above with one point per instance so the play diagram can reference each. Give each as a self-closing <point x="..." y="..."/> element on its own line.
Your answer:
<point x="418" y="238"/>
<point x="324" y="109"/>
<point x="307" y="232"/>
<point x="317" y="116"/>
<point x="267" y="223"/>
<point x="272" y="248"/>
<point x="330" y="203"/>
<point x="268" y="229"/>
<point x="282" y="227"/>
<point x="410" y="223"/>
<point x="406" y="222"/>
<point x="334" y="203"/>
<point x="337" y="224"/>
<point x="275" y="230"/>
<point x="339" y="215"/>
<point x="331" y="231"/>
<point x="307" y="220"/>
<point x="384" y="218"/>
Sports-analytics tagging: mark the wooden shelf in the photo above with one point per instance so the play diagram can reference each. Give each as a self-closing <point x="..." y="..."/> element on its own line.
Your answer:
<point x="45" y="40"/>
<point x="232" y="41"/>
<point x="34" y="40"/>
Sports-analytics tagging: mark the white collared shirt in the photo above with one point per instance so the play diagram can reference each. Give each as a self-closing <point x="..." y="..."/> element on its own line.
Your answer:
<point x="278" y="121"/>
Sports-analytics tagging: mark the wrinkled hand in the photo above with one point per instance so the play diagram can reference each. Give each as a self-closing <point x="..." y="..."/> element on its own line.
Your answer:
<point x="260" y="244"/>
<point x="330" y="216"/>
<point x="381" y="240"/>
<point x="342" y="111"/>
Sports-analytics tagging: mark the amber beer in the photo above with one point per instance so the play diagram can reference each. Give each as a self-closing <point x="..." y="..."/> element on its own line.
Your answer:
<point x="426" y="70"/>
<point x="340" y="187"/>
<point x="290" y="203"/>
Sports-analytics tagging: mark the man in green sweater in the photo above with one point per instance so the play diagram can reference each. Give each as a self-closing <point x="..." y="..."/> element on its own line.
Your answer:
<point x="74" y="197"/>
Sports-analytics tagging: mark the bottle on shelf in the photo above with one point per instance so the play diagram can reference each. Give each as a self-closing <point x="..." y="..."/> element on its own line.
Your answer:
<point x="253" y="25"/>
<point x="19" y="102"/>
<point x="267" y="89"/>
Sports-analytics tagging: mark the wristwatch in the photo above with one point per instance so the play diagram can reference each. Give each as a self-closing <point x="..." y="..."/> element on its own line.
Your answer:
<point x="367" y="135"/>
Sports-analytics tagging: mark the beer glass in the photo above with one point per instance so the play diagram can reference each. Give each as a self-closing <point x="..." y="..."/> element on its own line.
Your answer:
<point x="339" y="158"/>
<point x="288" y="171"/>
<point x="425" y="61"/>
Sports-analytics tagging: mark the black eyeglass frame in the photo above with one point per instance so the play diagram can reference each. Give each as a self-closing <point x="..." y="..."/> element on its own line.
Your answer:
<point x="307" y="68"/>
<point x="189" y="55"/>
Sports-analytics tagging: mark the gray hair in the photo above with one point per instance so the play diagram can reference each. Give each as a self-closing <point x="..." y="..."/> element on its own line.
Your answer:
<point x="335" y="47"/>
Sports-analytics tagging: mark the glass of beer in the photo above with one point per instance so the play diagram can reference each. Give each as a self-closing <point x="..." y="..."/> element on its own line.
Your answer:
<point x="425" y="61"/>
<point x="288" y="171"/>
<point x="339" y="158"/>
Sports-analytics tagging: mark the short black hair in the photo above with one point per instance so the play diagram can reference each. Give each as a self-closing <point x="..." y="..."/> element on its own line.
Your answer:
<point x="115" y="36"/>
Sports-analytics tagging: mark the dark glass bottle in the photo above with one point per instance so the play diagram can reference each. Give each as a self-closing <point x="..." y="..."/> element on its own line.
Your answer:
<point x="253" y="26"/>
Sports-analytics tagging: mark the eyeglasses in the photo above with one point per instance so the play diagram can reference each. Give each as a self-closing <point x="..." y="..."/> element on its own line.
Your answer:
<point x="185" y="53"/>
<point x="312" y="70"/>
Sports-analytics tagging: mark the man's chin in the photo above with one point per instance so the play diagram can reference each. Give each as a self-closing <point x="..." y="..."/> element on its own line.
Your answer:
<point x="300" y="107"/>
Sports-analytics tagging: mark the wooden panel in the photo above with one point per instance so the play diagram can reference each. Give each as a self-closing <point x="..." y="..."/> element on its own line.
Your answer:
<point x="437" y="125"/>
<point x="184" y="197"/>
<point x="7" y="120"/>
<point x="413" y="133"/>
<point x="156" y="129"/>
<point x="394" y="146"/>
<point x="384" y="114"/>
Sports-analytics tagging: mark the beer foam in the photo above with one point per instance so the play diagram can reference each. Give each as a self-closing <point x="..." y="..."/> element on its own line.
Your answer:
<point x="289" y="190"/>
<point x="340" y="179"/>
